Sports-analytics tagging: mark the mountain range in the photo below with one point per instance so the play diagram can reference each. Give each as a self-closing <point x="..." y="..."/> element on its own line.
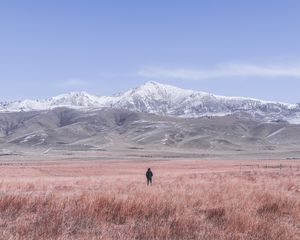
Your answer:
<point x="165" y="100"/>
<point x="155" y="117"/>
<point x="66" y="129"/>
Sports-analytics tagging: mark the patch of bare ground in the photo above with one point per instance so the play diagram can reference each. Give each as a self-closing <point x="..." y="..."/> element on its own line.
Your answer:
<point x="110" y="200"/>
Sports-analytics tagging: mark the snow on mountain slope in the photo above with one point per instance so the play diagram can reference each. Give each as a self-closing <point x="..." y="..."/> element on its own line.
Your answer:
<point x="153" y="97"/>
<point x="71" y="100"/>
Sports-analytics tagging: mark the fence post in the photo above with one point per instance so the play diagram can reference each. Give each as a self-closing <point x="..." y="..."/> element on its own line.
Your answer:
<point x="280" y="168"/>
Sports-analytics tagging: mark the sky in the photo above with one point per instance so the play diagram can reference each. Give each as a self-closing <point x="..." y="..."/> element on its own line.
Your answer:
<point x="231" y="48"/>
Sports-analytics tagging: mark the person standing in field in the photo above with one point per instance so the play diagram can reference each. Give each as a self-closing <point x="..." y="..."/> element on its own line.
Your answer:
<point x="149" y="175"/>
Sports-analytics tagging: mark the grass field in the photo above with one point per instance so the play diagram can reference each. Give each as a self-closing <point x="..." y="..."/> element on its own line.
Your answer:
<point x="190" y="199"/>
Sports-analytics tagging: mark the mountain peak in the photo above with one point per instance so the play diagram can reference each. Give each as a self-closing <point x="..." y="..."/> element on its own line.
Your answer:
<point x="78" y="99"/>
<point x="154" y="83"/>
<point x="74" y="94"/>
<point x="157" y="92"/>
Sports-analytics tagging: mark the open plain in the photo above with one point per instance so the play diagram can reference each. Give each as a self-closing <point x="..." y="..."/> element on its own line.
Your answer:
<point x="103" y="195"/>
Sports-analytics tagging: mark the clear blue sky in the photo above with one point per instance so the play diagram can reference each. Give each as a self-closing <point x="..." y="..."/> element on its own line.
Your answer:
<point x="243" y="48"/>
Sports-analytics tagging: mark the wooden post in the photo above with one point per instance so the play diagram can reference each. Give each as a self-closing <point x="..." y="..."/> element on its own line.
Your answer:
<point x="280" y="168"/>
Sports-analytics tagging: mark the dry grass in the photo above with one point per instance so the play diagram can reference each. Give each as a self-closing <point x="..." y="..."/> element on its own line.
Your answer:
<point x="110" y="200"/>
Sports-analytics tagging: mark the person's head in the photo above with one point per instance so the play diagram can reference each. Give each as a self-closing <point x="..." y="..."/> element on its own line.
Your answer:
<point x="149" y="169"/>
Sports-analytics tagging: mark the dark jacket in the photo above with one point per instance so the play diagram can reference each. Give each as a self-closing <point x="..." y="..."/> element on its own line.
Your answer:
<point x="149" y="174"/>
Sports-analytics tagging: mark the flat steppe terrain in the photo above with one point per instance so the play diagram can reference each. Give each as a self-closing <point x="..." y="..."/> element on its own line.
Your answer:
<point x="102" y="195"/>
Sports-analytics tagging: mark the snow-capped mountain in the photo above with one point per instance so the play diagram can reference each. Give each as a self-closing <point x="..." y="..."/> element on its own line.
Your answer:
<point x="161" y="99"/>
